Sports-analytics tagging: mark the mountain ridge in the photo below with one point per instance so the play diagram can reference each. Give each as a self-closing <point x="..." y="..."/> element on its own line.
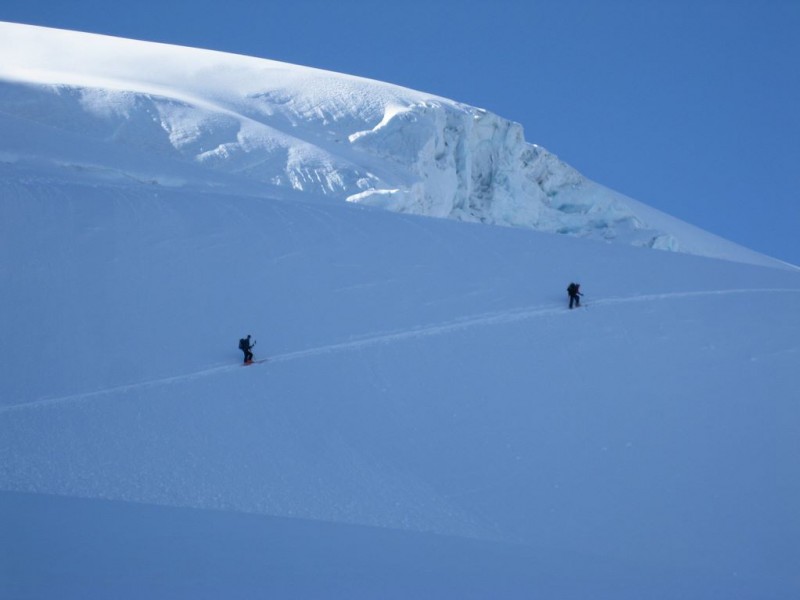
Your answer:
<point x="272" y="128"/>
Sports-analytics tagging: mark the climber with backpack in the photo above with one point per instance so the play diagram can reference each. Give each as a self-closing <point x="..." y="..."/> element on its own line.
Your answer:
<point x="245" y="346"/>
<point x="574" y="291"/>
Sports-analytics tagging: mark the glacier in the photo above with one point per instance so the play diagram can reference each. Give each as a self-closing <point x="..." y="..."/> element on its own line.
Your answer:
<point x="150" y="111"/>
<point x="431" y="421"/>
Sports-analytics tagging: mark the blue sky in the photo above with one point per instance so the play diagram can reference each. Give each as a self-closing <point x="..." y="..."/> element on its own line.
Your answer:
<point x="688" y="106"/>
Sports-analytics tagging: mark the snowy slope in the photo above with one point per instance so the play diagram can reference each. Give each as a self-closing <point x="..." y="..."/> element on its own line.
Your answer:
<point x="424" y="376"/>
<point x="432" y="421"/>
<point x="178" y="116"/>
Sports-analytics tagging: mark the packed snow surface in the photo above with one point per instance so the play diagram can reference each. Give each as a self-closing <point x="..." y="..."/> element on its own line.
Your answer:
<point x="431" y="420"/>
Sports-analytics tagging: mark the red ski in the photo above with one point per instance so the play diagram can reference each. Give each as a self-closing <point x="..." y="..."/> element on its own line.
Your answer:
<point x="254" y="362"/>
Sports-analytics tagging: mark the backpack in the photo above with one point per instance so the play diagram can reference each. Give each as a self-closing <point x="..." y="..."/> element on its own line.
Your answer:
<point x="243" y="345"/>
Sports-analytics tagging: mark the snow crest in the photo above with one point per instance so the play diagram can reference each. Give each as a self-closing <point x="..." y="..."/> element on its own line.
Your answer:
<point x="170" y="115"/>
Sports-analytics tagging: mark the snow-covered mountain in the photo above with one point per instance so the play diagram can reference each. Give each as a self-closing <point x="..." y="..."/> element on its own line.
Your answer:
<point x="176" y="116"/>
<point x="431" y="422"/>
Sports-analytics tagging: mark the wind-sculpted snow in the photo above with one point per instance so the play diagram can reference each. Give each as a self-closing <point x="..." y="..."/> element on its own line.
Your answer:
<point x="268" y="128"/>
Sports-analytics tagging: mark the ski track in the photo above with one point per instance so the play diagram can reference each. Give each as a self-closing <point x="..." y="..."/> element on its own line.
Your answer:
<point x="484" y="319"/>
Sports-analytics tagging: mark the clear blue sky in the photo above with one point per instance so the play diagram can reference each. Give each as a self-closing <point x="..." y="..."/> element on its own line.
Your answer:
<point x="690" y="106"/>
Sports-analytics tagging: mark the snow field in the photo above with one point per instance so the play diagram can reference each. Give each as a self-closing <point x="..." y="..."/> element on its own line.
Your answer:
<point x="424" y="376"/>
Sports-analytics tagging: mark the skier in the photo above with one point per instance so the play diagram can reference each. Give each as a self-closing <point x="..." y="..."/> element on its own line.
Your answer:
<point x="245" y="346"/>
<point x="574" y="291"/>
